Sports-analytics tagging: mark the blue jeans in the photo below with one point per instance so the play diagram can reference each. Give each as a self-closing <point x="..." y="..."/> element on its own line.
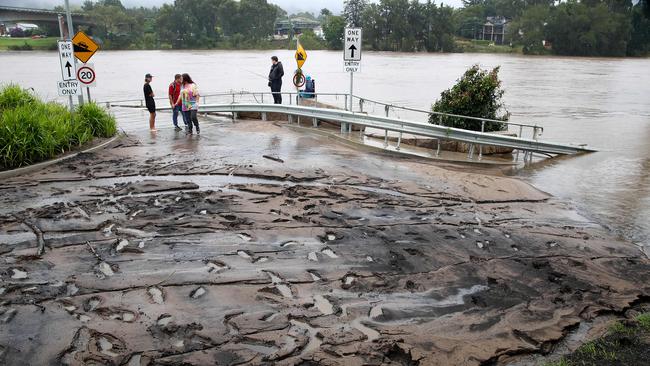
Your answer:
<point x="175" y="111"/>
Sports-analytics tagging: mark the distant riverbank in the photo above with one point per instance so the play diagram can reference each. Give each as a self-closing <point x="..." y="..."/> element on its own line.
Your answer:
<point x="49" y="43"/>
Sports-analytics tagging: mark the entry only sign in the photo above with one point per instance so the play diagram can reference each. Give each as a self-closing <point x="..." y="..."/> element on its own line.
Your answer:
<point x="69" y="88"/>
<point x="66" y="57"/>
<point x="86" y="75"/>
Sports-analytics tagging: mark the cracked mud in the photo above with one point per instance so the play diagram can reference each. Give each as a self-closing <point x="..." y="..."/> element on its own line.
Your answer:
<point x="196" y="252"/>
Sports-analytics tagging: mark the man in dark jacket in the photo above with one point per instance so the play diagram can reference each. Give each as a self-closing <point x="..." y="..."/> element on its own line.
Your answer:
<point x="275" y="79"/>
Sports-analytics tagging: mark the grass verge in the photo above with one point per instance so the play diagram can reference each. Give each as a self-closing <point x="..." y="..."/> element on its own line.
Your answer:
<point x="32" y="130"/>
<point x="626" y="343"/>
<point x="27" y="44"/>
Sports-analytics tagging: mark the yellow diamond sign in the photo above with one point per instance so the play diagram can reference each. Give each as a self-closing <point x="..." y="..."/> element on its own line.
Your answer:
<point x="301" y="56"/>
<point x="84" y="47"/>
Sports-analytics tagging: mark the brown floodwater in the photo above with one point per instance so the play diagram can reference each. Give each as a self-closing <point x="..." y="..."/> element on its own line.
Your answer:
<point x="602" y="102"/>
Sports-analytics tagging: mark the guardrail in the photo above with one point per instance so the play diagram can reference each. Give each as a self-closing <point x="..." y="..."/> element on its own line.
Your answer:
<point x="400" y="126"/>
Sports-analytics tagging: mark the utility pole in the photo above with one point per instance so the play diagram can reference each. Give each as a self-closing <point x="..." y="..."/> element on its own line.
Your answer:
<point x="70" y="33"/>
<point x="60" y="18"/>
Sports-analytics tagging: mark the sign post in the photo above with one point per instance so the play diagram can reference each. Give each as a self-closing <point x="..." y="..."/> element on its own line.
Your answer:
<point x="84" y="49"/>
<point x="70" y="30"/>
<point x="86" y="76"/>
<point x="351" y="58"/>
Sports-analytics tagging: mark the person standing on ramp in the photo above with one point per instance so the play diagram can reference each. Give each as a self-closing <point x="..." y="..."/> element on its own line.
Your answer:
<point x="275" y="79"/>
<point x="150" y="102"/>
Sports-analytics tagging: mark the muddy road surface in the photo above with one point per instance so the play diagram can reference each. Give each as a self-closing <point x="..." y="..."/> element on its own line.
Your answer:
<point x="171" y="250"/>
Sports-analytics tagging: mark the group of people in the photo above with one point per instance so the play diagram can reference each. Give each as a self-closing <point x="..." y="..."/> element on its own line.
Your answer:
<point x="184" y="97"/>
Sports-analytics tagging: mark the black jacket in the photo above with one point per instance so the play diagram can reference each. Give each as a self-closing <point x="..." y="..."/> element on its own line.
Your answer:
<point x="277" y="72"/>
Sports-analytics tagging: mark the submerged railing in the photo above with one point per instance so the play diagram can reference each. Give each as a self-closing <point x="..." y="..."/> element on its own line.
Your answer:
<point x="259" y="101"/>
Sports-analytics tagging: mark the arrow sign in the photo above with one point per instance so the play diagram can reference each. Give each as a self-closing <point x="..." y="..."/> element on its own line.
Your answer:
<point x="352" y="49"/>
<point x="66" y="59"/>
<point x="68" y="66"/>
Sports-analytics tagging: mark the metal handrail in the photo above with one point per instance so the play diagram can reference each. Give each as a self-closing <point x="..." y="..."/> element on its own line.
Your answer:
<point x="446" y="114"/>
<point x="401" y="126"/>
<point x="537" y="130"/>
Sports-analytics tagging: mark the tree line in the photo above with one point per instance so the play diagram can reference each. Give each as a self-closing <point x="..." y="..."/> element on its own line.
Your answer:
<point x="570" y="27"/>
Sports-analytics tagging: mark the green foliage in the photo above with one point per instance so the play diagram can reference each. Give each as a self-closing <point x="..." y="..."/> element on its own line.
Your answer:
<point x="529" y="30"/>
<point x="32" y="131"/>
<point x="639" y="44"/>
<point x="100" y="123"/>
<point x="477" y="93"/>
<point x="333" y="29"/>
<point x="311" y="42"/>
<point x="13" y="95"/>
<point x="644" y="321"/>
<point x="576" y="28"/>
<point x="352" y="12"/>
<point x="400" y="25"/>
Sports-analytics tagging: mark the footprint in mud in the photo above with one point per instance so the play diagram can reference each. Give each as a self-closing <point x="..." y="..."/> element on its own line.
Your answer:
<point x="92" y="303"/>
<point x="164" y="320"/>
<point x="348" y="281"/>
<point x="244" y="254"/>
<point x="329" y="252"/>
<point x="289" y="243"/>
<point x="315" y="275"/>
<point x="156" y="295"/>
<point x="104" y="269"/>
<point x="323" y="305"/>
<point x="7" y="314"/>
<point x="216" y="266"/>
<point x="18" y="274"/>
<point x="124" y="315"/>
<point x="93" y="346"/>
<point x="244" y="237"/>
<point x="280" y="284"/>
<point x="198" y="292"/>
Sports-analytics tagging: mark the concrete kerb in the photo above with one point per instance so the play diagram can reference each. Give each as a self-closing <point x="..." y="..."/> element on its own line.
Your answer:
<point x="28" y="169"/>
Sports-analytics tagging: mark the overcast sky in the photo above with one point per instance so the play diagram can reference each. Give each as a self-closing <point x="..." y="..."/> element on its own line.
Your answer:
<point x="291" y="6"/>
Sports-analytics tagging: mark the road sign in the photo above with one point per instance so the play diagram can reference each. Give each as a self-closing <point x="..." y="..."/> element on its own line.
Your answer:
<point x="301" y="56"/>
<point x="69" y="88"/>
<point x="352" y="49"/>
<point x="352" y="66"/>
<point x="68" y="70"/>
<point x="86" y="74"/>
<point x="84" y="47"/>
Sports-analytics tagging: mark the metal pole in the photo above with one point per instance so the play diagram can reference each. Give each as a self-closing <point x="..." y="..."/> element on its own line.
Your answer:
<point x="351" y="87"/>
<point x="480" y="147"/>
<point x="88" y="91"/>
<point x="70" y="32"/>
<point x="63" y="38"/>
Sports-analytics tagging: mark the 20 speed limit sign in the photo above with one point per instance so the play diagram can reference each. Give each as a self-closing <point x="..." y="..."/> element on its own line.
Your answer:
<point x="86" y="74"/>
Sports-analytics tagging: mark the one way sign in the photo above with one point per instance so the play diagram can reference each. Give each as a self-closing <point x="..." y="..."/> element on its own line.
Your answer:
<point x="66" y="56"/>
<point x="352" y="50"/>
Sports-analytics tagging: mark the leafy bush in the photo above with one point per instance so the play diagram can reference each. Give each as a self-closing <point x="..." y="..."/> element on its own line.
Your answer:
<point x="477" y="93"/>
<point x="13" y="96"/>
<point x="32" y="131"/>
<point x="100" y="123"/>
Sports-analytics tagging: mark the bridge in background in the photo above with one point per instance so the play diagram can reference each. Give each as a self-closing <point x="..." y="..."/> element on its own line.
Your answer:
<point x="12" y="14"/>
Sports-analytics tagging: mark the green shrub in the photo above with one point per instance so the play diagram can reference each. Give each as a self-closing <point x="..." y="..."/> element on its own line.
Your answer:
<point x="33" y="131"/>
<point x="477" y="93"/>
<point x="12" y="96"/>
<point x="101" y="124"/>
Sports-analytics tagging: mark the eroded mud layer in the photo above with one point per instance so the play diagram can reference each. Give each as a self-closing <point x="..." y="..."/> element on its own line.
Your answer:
<point x="170" y="251"/>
